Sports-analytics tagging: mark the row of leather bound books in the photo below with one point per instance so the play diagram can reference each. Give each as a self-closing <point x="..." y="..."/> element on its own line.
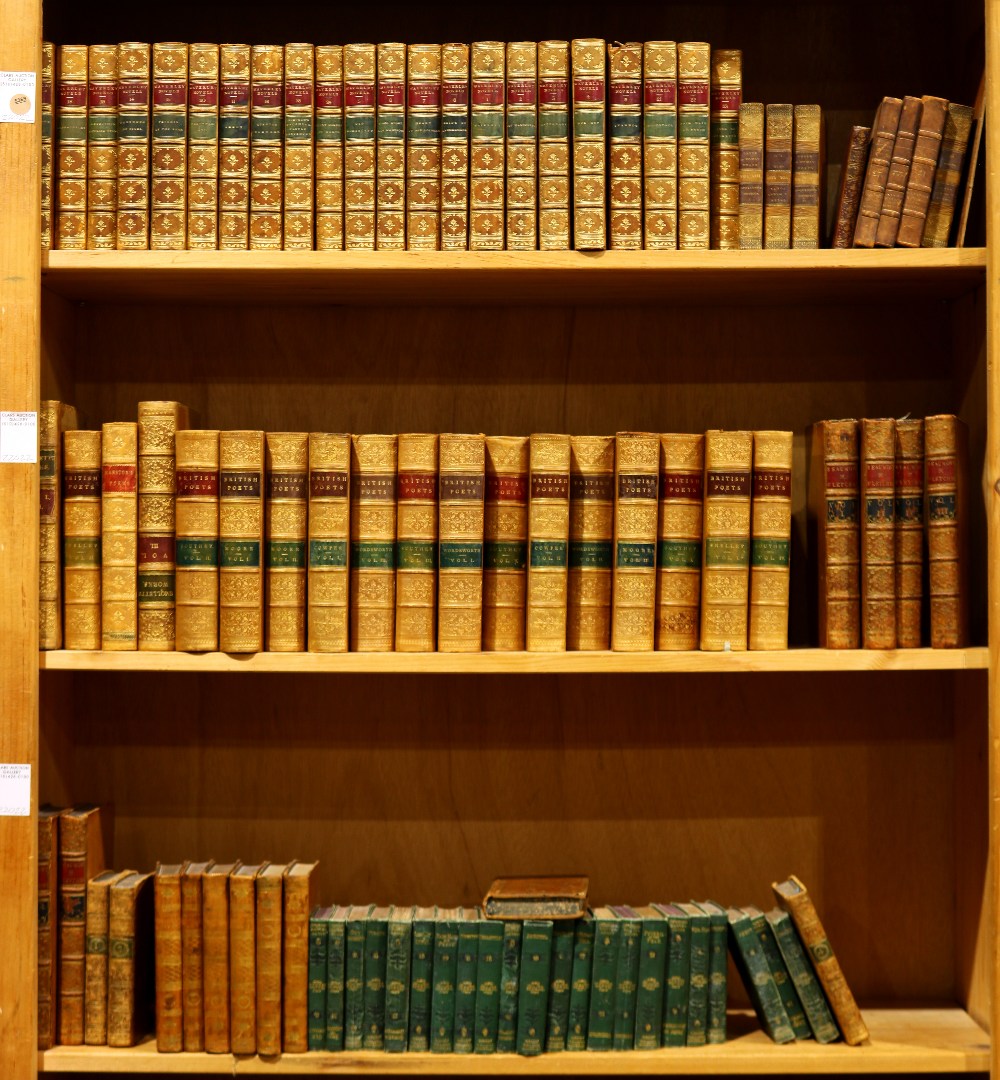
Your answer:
<point x="244" y="540"/>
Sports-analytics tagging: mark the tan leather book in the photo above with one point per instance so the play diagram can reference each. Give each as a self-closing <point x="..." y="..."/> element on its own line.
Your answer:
<point x="300" y="890"/>
<point x="53" y="419"/>
<point x="299" y="146"/>
<point x="270" y="902"/>
<point x="505" y="544"/>
<point x="727" y="95"/>
<point x="168" y="952"/>
<point x="193" y="955"/>
<point x="130" y="959"/>
<point x="81" y="550"/>
<point x="693" y="73"/>
<point x="553" y="146"/>
<point x="878" y="534"/>
<point x="241" y="540"/>
<point x="423" y="148"/>
<point x="48" y="146"/>
<point x="808" y="167"/>
<point x="659" y="144"/>
<point x="373" y="542"/>
<point x="71" y="152"/>
<point x="536" y="898"/>
<point x="416" y="543"/>
<point x="329" y="147"/>
<point x="926" y="151"/>
<point x="633" y="591"/>
<point x="548" y="543"/>
<point x="486" y="146"/>
<point x="95" y="1016"/>
<point x="134" y="69"/>
<point x="243" y="959"/>
<point x="877" y="174"/>
<point x="215" y="964"/>
<point x="954" y="142"/>
<point x="909" y="541"/>
<point x="625" y="145"/>
<point x="899" y="172"/>
<point x="102" y="146"/>
<point x="168" y="154"/>
<point x="267" y="63"/>
<point x="976" y="139"/>
<point x="329" y="522"/>
<point x="679" y="534"/>
<point x="946" y="462"/>
<point x="521" y="144"/>
<point x="359" y="147"/>
<point x="454" y="146"/>
<point x="751" y="176"/>
<point x="462" y="464"/>
<point x="771" y="543"/>
<point x="589" y="181"/>
<point x="591" y="541"/>
<point x="196" y="511"/>
<point x="203" y="147"/>
<point x="234" y="147"/>
<point x="852" y="176"/>
<point x="778" y="134"/>
<point x="287" y="460"/>
<point x="48" y="925"/>
<point x="390" y="152"/>
<point x="119" y="538"/>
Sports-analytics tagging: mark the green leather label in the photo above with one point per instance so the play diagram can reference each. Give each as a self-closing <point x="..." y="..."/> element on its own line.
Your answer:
<point x="590" y="554"/>
<point x="727" y="552"/>
<point x="416" y="555"/>
<point x="327" y="552"/>
<point x="683" y="554"/>
<point x="155" y="587"/>
<point x="770" y="552"/>
<point x="505" y="554"/>
<point x="288" y="554"/>
<point x="466" y="555"/>
<point x="236" y="553"/>
<point x="373" y="555"/>
<point x="82" y="551"/>
<point x="197" y="552"/>
<point x="545" y="553"/>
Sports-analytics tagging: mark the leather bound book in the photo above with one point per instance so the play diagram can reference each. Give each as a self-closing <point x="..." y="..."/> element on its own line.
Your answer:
<point x="329" y="187"/>
<point x="807" y="176"/>
<point x="95" y="1017"/>
<point x="454" y="146"/>
<point x="778" y="125"/>
<point x="954" y="142"/>
<point x="978" y="117"/>
<point x="203" y="147"/>
<point x="486" y="147"/>
<point x="359" y="147"/>
<point x="625" y="145"/>
<point x="267" y="63"/>
<point x="536" y="898"/>
<point x="243" y="960"/>
<point x="462" y="463"/>
<point x="299" y="136"/>
<point x="373" y="542"/>
<point x="130" y="960"/>
<point x="48" y="925"/>
<point x="505" y="544"/>
<point x="287" y="459"/>
<point x="119" y="540"/>
<point x="553" y="146"/>
<point x="215" y="939"/>
<point x="416" y="542"/>
<point x="771" y="532"/>
<point x="168" y="953"/>
<point x="899" y="172"/>
<point x="751" y="176"/>
<point x="48" y="129"/>
<point x="132" y="226"/>
<point x="196" y="511"/>
<point x="423" y="148"/>
<point x="877" y="174"/>
<point x="329" y="519"/>
<point x="589" y="184"/>
<point x="727" y="94"/>
<point x="81" y="510"/>
<point x="659" y="144"/>
<point x="726" y="564"/>
<point x="700" y="930"/>
<point x="878" y="534"/>
<point x="926" y="151"/>
<point x="633" y="592"/>
<point x="270" y="904"/>
<point x="241" y="538"/>
<point x="168" y="156"/>
<point x="234" y="147"/>
<point x="548" y="544"/>
<point x="909" y="482"/>
<point x="53" y="418"/>
<point x="679" y="532"/>
<point x="591" y="540"/>
<point x="102" y="146"/>
<point x="521" y="188"/>
<point x="794" y="898"/>
<point x="802" y="974"/>
<point x="693" y="66"/>
<point x="946" y="448"/>
<point x="852" y="177"/>
<point x="192" y="955"/>
<point x="391" y="148"/>
<point x="300" y="888"/>
<point x="71" y="152"/>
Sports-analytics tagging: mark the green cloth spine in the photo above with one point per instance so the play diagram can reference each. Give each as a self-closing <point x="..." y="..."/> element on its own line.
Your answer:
<point x="561" y="976"/>
<point x="397" y="980"/>
<point x="376" y="941"/>
<point x="779" y="972"/>
<point x="335" y="978"/>
<point x="354" y="979"/>
<point x="511" y="965"/>
<point x="533" y="992"/>
<point x="489" y="967"/>
<point x="627" y="977"/>
<point x="421" y="975"/>
<point x="717" y="971"/>
<point x="316" y="995"/>
<point x="465" y="982"/>
<point x="652" y="973"/>
<point x="443" y="985"/>
<point x="701" y="930"/>
<point x="678" y="972"/>
<point x="579" y="990"/>
<point x="748" y="955"/>
<point x="607" y="935"/>
<point x="818" y="1013"/>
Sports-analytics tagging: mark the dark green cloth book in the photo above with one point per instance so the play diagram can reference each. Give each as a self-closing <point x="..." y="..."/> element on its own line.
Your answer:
<point x="465" y="980"/>
<point x="652" y="975"/>
<point x="627" y="977"/>
<point x="489" y="967"/>
<point x="557" y="1022"/>
<point x="316" y="992"/>
<point x="675" y="1005"/>
<point x="336" y="953"/>
<point x="579" y="990"/>
<point x="511" y="966"/>
<point x="601" y="1024"/>
<point x="800" y="969"/>
<point x="701" y="930"/>
<point x="354" y="978"/>
<point x="751" y="962"/>
<point x="718" y="967"/>
<point x="533" y="990"/>
<point x="397" y="978"/>
<point x="443" y="981"/>
<point x="779" y="972"/>
<point x="376" y="944"/>
<point x="421" y="978"/>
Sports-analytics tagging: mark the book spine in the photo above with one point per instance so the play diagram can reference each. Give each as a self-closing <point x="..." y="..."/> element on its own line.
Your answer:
<point x="454" y="147"/>
<point x="460" y="545"/>
<point x="601" y="1025"/>
<point x="947" y="176"/>
<point x="373" y="543"/>
<point x="807" y="175"/>
<point x="359" y="147"/>
<point x="423" y="148"/>
<point x="168" y="209"/>
<point x="693" y="68"/>
<point x="335" y="979"/>
<point x="878" y="531"/>
<point x="119" y="466"/>
<point x="299" y="135"/>
<point x="505" y="543"/>
<point x="48" y="68"/>
<point x="489" y="972"/>
<point x="771" y="540"/>
<point x="589" y="186"/>
<point x="560" y="976"/>
<point x="465" y="985"/>
<point x="697" y="1013"/>
<point x="649" y="993"/>
<point x="909" y="540"/>
<point x="926" y="151"/>
<point x="127" y="941"/>
<point x="633" y="598"/>
<point x="234" y="147"/>
<point x="675" y="1011"/>
<point x="800" y="971"/>
<point x="625" y="145"/>
<point x="376" y="941"/>
<point x="782" y="980"/>
<point x="295" y="965"/>
<point x="852" y="177"/>
<point x="591" y="541"/>
<point x="945" y="447"/>
<point x="287" y="459"/>
<point x="102" y="146"/>
<point x="778" y="125"/>
<point x="241" y="537"/>
<point x="71" y="171"/>
<point x="751" y="176"/>
<point x="726" y="564"/>
<point x="533" y="989"/>
<point x="421" y="981"/>
<point x="626" y="984"/>
<point x="192" y="963"/>
<point x="522" y="146"/>
<point x="269" y="904"/>
<point x="354" y="985"/>
<point x="203" y="147"/>
<point x="50" y="455"/>
<point x="319" y="929"/>
<point x="95" y="995"/>
<point x="329" y="522"/>
<point x="196" y="578"/>
<point x="877" y="173"/>
<point x="899" y="172"/>
<point x="679" y="533"/>
<point x="416" y="543"/>
<point x="168" y="954"/>
<point x="215" y="935"/>
<point x="81" y="490"/>
<point x="329" y="147"/>
<point x="510" y="970"/>
<point x="390" y="157"/>
<point x="659" y="143"/>
<point x="579" y="992"/>
<point x="397" y="984"/>
<point x="486" y="147"/>
<point x="132" y="204"/>
<point x="48" y="931"/>
<point x="759" y="981"/>
<point x="553" y="146"/>
<point x="717" y="976"/>
<point x="548" y="543"/>
<point x="443" y="986"/>
<point x="724" y="140"/>
<point x="267" y="63"/>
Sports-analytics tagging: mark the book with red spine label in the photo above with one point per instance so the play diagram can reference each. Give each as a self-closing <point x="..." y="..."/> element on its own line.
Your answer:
<point x="132" y="226"/>
<point x="71" y="148"/>
<point x="102" y="146"/>
<point x="659" y="144"/>
<point x="553" y="146"/>
<point x="486" y="147"/>
<point x="416" y="542"/>
<point x="203" y="147"/>
<point x="53" y="419"/>
<point x="589" y="131"/>
<point x="267" y="64"/>
<point x="878" y="534"/>
<point x="522" y="146"/>
<point x="119" y="537"/>
<point x="81" y="539"/>
<point x="423" y="148"/>
<point x="196" y="543"/>
<point x="679" y="541"/>
<point x="693" y="71"/>
<point x="234" y="147"/>
<point x="48" y="925"/>
<point x="168" y="160"/>
<point x="298" y="133"/>
<point x="625" y="145"/>
<point x="505" y="534"/>
<point x="909" y="531"/>
<point x="329" y="147"/>
<point x="48" y="129"/>
<point x="454" y="146"/>
<point x="726" y="98"/>
<point x="390" y="150"/>
<point x="359" y="147"/>
<point x="946" y="464"/>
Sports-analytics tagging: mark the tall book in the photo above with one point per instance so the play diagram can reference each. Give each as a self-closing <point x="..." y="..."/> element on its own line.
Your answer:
<point x="807" y="176"/>
<point x="241" y="538"/>
<point x="71" y="148"/>
<point x="196" y="547"/>
<point x="421" y="974"/>
<point x="300" y="889"/>
<point x="443" y="981"/>
<point x="878" y="534"/>
<point x="771" y="539"/>
<point x="486" y="147"/>
<point x="203" y="147"/>
<point x="726" y="562"/>
<point x="267" y="64"/>
<point x="553" y="146"/>
<point x="215" y="939"/>
<point x="299" y="144"/>
<point x="589" y="184"/>
<point x="119" y="542"/>
<point x="335" y="957"/>
<point x="751" y="176"/>
<point x="679" y="533"/>
<point x="193" y="955"/>
<point x="390" y="156"/>
<point x="522" y="146"/>
<point x="899" y="172"/>
<point x="48" y="926"/>
<point x="607" y="936"/>
<point x="852" y="176"/>
<point x="373" y="543"/>
<point x="505" y="543"/>
<point x="591" y="541"/>
<point x="835" y="530"/>
<point x="909" y="540"/>
<point x="633" y="595"/>
<point x="462" y="484"/>
<point x="168" y="157"/>
<point x="693" y="67"/>
<point x="132" y="226"/>
<point x="560" y="977"/>
<point x="329" y="518"/>
<point x="778" y="129"/>
<point x="423" y="148"/>
<point x="130" y="959"/>
<point x="270" y="897"/>
<point x="533" y="989"/>
<point x="53" y="418"/>
<point x="287" y="461"/>
<point x="802" y="974"/>
<point x="625" y="145"/>
<point x="81" y="554"/>
<point x="548" y="543"/>
<point x="879" y="159"/>
<point x="359" y="147"/>
<point x="95" y="994"/>
<point x="329" y="191"/>
<point x="659" y="144"/>
<point x="398" y="951"/>
<point x="243" y="959"/>
<point x="234" y="147"/>
<point x="926" y="151"/>
<point x="319" y="939"/>
<point x="48" y="130"/>
<point x="376" y="942"/>
<point x="416" y="542"/>
<point x="102" y="146"/>
<point x="168" y="957"/>
<point x="454" y="146"/>
<point x="946" y="449"/>
<point x="954" y="141"/>
<point x="579" y="994"/>
<point x="489" y="972"/>
<point x="751" y="963"/>
<point x="724" y="139"/>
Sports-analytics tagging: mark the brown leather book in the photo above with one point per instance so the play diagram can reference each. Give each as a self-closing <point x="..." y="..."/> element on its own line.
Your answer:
<point x="778" y="124"/>
<point x="169" y="957"/>
<point x="215" y="940"/>
<point x="300" y="888"/>
<point x="192" y="955"/>
<point x="269" y="906"/>
<point x="978" y="115"/>
<point x="957" y="126"/>
<point x="95" y="1027"/>
<point x="536" y="898"/>
<point x="878" y="534"/>
<point x="926" y="152"/>
<point x="899" y="172"/>
<point x="883" y="142"/>
<point x="909" y="531"/>
<point x="243" y="959"/>
<point x="48" y="924"/>
<point x="946" y="452"/>
<point x="130" y="959"/>
<point x="852" y="177"/>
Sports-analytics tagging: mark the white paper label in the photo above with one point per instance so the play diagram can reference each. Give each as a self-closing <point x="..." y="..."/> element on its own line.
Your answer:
<point x="17" y="97"/>
<point x="15" y="790"/>
<point x="19" y="437"/>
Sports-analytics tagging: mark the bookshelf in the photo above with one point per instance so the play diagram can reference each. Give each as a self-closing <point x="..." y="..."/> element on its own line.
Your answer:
<point x="871" y="775"/>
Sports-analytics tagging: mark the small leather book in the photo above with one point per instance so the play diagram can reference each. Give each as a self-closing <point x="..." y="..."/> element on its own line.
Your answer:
<point x="536" y="898"/>
<point x="851" y="180"/>
<point x="883" y="144"/>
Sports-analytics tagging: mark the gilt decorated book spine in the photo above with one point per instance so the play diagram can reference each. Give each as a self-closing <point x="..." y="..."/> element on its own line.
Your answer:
<point x="878" y="532"/>
<point x="852" y="178"/>
<point x="947" y="176"/>
<point x="132" y="226"/>
<point x="807" y="176"/>
<point x="269" y="905"/>
<point x="693" y="68"/>
<point x="553" y="146"/>
<point x="95" y="1011"/>
<point x="119" y="466"/>
<point x="267" y="64"/>
<point x="130" y="941"/>
<point x="899" y="172"/>
<point x="522" y="146"/>
<point x="241" y="538"/>
<point x="505" y="543"/>
<point x="625" y="145"/>
<point x="168" y="159"/>
<point x="589" y="167"/>
<point x="243" y="960"/>
<point x="462" y="464"/>
<point x="299" y="892"/>
<point x="234" y="147"/>
<point x="48" y="927"/>
<point x="359" y="147"/>
<point x="727" y="95"/>
<point x="203" y="147"/>
<point x="373" y="543"/>
<point x="52" y="416"/>
<point x="102" y="146"/>
<point x="287" y="459"/>
<point x="299" y="135"/>
<point x="390" y="156"/>
<point x="679" y="555"/>
<point x="168" y="957"/>
<point x="71" y="148"/>
<point x="877" y="173"/>
<point x="591" y="541"/>
<point x="193" y="956"/>
<point x="329" y="540"/>
<point x="48" y="143"/>
<point x="946" y="467"/>
<point x="633" y="599"/>
<point x="909" y="531"/>
<point x="778" y="125"/>
<point x="329" y="147"/>
<point x="416" y="542"/>
<point x="215" y="930"/>
<point x="770" y="548"/>
<point x="486" y="147"/>
<point x="454" y="146"/>
<point x="79" y="860"/>
<point x="423" y="148"/>
<point x="81" y="490"/>
<point x="926" y="152"/>
<point x="196" y="578"/>
<point x="659" y="144"/>
<point x="751" y="176"/>
<point x="548" y="543"/>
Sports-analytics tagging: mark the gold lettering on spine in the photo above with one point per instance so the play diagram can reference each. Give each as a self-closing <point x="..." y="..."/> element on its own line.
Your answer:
<point x="373" y="535"/>
<point x="82" y="536"/>
<point x="548" y="543"/>
<point x="287" y="458"/>
<point x="678" y="580"/>
<point x="416" y="532"/>
<point x="119" y="456"/>
<point x="771" y="533"/>
<point x="460" y="531"/>
<point x="241" y="539"/>
<point x="591" y="527"/>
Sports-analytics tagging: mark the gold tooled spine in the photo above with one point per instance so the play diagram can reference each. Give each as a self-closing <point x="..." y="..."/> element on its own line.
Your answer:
<point x="625" y="148"/>
<point x="909" y="532"/>
<point x="947" y="176"/>
<point x="771" y="539"/>
<point x="234" y="147"/>
<point x="548" y="543"/>
<point x="215" y="953"/>
<point x="505" y="534"/>
<point x="102" y="146"/>
<point x="196" y="578"/>
<point x="130" y="930"/>
<point x="659" y="144"/>
<point x="373" y="542"/>
<point x="330" y="148"/>
<point x="454" y="146"/>
<point x="53" y="418"/>
<point x="329" y="540"/>
<point x="95" y="995"/>
<point x="633" y="595"/>
<point x="192" y="956"/>
<point x="486" y="153"/>
<point x="71" y="148"/>
<point x="693" y="64"/>
<point x="287" y="461"/>
<point x="299" y="136"/>
<point x="243" y="959"/>
<point x="241" y="539"/>
<point x="878" y="534"/>
<point x="133" y="146"/>
<point x="945" y="469"/>
<point x="778" y="121"/>
<point x="416" y="543"/>
<point x="553" y="146"/>
<point x="589" y="187"/>
<point x="679" y="554"/>
<point x="727" y="94"/>
<point x="359" y="147"/>
<point x="167" y="954"/>
<point x="168" y="189"/>
<point x="267" y="64"/>
<point x="48" y="68"/>
<point x="81" y="482"/>
<point x="119" y="465"/>
<point x="591" y="539"/>
<point x="807" y="175"/>
<point x="390" y="148"/>
<point x="268" y="955"/>
<point x="203" y="147"/>
<point x="522" y="146"/>
<point x="462" y="483"/>
<point x="751" y="215"/>
<point x="423" y="148"/>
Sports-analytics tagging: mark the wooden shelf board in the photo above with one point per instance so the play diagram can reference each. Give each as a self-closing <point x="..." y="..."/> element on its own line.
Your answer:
<point x="976" y="659"/>
<point x="913" y="1040"/>
<point x="534" y="277"/>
